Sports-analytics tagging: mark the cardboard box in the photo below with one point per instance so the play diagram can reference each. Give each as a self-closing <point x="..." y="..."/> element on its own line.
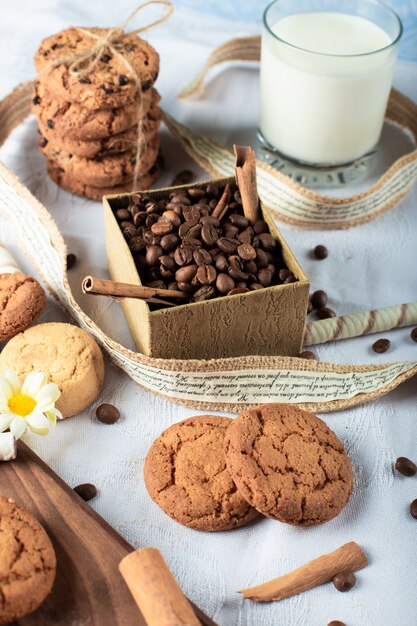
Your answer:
<point x="266" y="321"/>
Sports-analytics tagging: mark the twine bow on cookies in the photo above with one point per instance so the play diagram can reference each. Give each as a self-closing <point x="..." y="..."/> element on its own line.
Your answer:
<point x="81" y="64"/>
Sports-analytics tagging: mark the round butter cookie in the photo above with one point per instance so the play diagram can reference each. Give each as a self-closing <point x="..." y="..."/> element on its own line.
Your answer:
<point x="27" y="562"/>
<point x="69" y="183"/>
<point x="67" y="354"/>
<point x="107" y="171"/>
<point x="288" y="464"/>
<point x="186" y="475"/>
<point x="22" y="300"/>
<point x="110" y="83"/>
<point x="66" y="119"/>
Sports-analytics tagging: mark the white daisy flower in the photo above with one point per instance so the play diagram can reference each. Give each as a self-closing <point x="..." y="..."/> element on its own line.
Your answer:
<point x="31" y="405"/>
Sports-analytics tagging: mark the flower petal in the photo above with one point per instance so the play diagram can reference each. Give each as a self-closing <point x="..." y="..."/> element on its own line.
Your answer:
<point x="53" y="415"/>
<point x="33" y="383"/>
<point x="38" y="423"/>
<point x="6" y="390"/>
<point x="49" y="392"/>
<point x="5" y="420"/>
<point x="13" y="380"/>
<point x="18" y="426"/>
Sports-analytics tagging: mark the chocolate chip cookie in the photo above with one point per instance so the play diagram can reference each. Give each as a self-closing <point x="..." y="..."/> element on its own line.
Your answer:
<point x="288" y="464"/>
<point x="27" y="562"/>
<point x="110" y="83"/>
<point x="66" y="119"/>
<point x="106" y="171"/>
<point x="186" y="475"/>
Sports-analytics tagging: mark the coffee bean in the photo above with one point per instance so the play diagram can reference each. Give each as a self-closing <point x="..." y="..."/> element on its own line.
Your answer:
<point x="171" y="216"/>
<point x="224" y="283"/>
<point x="150" y="239"/>
<point x="320" y="252"/>
<point x="307" y="354"/>
<point x="71" y="260"/>
<point x="344" y="581"/>
<point x="212" y="190"/>
<point x="239" y="220"/>
<point x="237" y="290"/>
<point x="182" y="178"/>
<point x="221" y="263"/>
<point x="209" y="234"/>
<point x="202" y="257"/>
<point x="381" y="345"/>
<point x="183" y="255"/>
<point x="209" y="219"/>
<point x="137" y="243"/>
<point x="405" y="467"/>
<point x="246" y="252"/>
<point x="267" y="241"/>
<point x="128" y="230"/>
<point x="228" y="245"/>
<point x="230" y="231"/>
<point x="413" y="509"/>
<point x="336" y="622"/>
<point x="414" y="334"/>
<point x="169" y="242"/>
<point x="255" y="286"/>
<point x="191" y="242"/>
<point x="324" y="313"/>
<point x="86" y="491"/>
<point x="195" y="192"/>
<point x="190" y="228"/>
<point x="153" y="254"/>
<point x="186" y="287"/>
<point x="250" y="267"/>
<point x="206" y="274"/>
<point x="245" y="236"/>
<point x="181" y="200"/>
<point x="156" y="284"/>
<point x="319" y="299"/>
<point x="162" y="228"/>
<point x="186" y="274"/>
<point x="107" y="413"/>
<point x="122" y="215"/>
<point x="204" y="293"/>
<point x="261" y="258"/>
<point x="191" y="213"/>
<point x="264" y="277"/>
<point x="151" y="219"/>
<point x="139" y="218"/>
<point x="167" y="262"/>
<point x="260" y="227"/>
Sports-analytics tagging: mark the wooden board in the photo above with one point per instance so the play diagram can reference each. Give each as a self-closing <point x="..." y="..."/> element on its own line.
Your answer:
<point x="88" y="590"/>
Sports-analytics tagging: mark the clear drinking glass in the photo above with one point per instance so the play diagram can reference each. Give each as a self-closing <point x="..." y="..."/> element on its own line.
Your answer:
<point x="326" y="75"/>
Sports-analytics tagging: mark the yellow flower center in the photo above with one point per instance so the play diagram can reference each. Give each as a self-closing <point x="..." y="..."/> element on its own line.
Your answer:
<point x="21" y="404"/>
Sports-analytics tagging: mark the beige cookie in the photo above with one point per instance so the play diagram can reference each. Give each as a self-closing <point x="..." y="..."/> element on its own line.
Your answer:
<point x="70" y="183"/>
<point x="106" y="171"/>
<point x="68" y="355"/>
<point x="27" y="562"/>
<point x="22" y="300"/>
<point x="288" y="464"/>
<point x="111" y="82"/>
<point x="66" y="119"/>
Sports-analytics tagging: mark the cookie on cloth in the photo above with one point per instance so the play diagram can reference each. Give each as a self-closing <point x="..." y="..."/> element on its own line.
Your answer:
<point x="27" y="562"/>
<point x="186" y="475"/>
<point x="288" y="464"/>
<point x="67" y="354"/>
<point x="104" y="172"/>
<point x="109" y="83"/>
<point x="70" y="183"/>
<point x="66" y="119"/>
<point x="98" y="148"/>
<point x="22" y="300"/>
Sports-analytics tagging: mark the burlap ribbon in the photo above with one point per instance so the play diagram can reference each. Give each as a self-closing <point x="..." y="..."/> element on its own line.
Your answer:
<point x="220" y="384"/>
<point x="82" y="63"/>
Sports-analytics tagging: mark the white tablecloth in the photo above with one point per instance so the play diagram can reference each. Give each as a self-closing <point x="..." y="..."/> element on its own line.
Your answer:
<point x="369" y="266"/>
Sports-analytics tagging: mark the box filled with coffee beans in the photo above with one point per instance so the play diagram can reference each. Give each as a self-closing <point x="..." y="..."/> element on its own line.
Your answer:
<point x="243" y="292"/>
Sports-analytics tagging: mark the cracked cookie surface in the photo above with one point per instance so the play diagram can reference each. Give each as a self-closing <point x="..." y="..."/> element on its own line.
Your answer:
<point x="67" y="354"/>
<point x="110" y="83"/>
<point x="288" y="464"/>
<point x="27" y="562"/>
<point x="22" y="300"/>
<point x="186" y="475"/>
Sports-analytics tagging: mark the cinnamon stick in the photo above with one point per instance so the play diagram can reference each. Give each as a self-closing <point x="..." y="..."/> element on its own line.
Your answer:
<point x="245" y="172"/>
<point x="100" y="287"/>
<point x="348" y="558"/>
<point x="221" y="207"/>
<point x="155" y="590"/>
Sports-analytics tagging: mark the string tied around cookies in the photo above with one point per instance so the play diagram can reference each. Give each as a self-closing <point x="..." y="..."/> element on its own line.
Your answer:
<point x="81" y="64"/>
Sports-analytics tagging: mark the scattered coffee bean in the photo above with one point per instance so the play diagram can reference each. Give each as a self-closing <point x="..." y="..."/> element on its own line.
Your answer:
<point x="413" y="509"/>
<point x="107" y="413"/>
<point x="86" y="491"/>
<point x="183" y="178"/>
<point x="307" y="354"/>
<point x="71" y="260"/>
<point x="336" y="622"/>
<point x="320" y="252"/>
<point x="324" y="313"/>
<point x="319" y="299"/>
<point x="344" y="581"/>
<point x="414" y="334"/>
<point x="405" y="467"/>
<point x="381" y="345"/>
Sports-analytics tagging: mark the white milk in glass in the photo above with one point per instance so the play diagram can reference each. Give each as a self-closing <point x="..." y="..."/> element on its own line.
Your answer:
<point x="321" y="104"/>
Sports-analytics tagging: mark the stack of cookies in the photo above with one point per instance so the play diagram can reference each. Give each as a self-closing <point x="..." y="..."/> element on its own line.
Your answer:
<point x="91" y="112"/>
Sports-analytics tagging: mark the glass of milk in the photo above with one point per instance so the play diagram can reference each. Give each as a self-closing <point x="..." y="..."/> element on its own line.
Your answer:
<point x="326" y="74"/>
